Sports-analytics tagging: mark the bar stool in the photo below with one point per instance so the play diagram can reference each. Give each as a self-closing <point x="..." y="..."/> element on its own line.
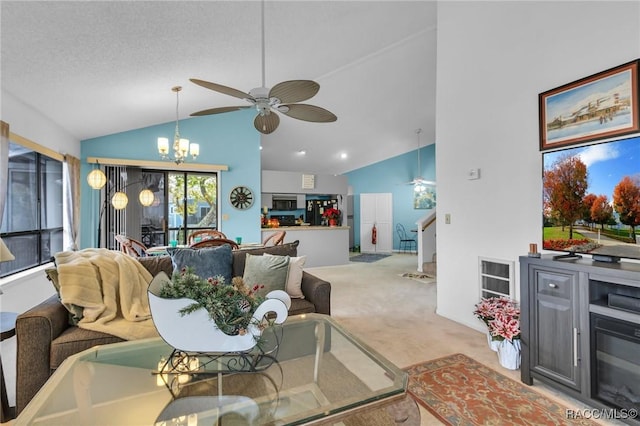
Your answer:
<point x="7" y="330"/>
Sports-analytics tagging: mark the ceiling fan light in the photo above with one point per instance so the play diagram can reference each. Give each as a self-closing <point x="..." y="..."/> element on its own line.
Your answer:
<point x="146" y="197"/>
<point x="119" y="200"/>
<point x="96" y="179"/>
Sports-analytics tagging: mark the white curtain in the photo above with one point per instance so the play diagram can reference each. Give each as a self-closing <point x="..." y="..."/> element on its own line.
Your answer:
<point x="71" y="201"/>
<point x="4" y="166"/>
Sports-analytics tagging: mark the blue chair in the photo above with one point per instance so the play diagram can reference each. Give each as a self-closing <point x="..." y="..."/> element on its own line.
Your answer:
<point x="406" y="243"/>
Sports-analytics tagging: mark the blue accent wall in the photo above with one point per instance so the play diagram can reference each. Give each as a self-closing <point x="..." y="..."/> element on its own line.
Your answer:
<point x="391" y="176"/>
<point x="228" y="139"/>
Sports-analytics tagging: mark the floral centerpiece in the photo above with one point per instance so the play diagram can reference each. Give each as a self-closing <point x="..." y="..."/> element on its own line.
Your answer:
<point x="502" y="317"/>
<point x="231" y="307"/>
<point x="332" y="215"/>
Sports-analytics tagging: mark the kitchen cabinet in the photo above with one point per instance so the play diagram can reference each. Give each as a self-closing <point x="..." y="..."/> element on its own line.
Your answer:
<point x="267" y="199"/>
<point x="291" y="183"/>
<point x="301" y="201"/>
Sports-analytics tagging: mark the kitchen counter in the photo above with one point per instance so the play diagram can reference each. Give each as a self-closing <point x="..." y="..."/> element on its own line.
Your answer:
<point x="305" y="228"/>
<point x="323" y="245"/>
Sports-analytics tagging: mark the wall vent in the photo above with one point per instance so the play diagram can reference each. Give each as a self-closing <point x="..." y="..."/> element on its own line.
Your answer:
<point x="496" y="278"/>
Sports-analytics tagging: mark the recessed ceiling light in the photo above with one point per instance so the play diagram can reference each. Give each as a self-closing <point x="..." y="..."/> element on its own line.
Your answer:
<point x="302" y="152"/>
<point x="343" y="155"/>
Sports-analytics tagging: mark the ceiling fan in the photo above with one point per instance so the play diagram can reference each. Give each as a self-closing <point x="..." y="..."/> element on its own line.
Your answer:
<point x="283" y="98"/>
<point x="419" y="183"/>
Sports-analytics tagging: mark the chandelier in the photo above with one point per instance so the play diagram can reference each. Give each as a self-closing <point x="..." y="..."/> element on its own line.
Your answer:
<point x="181" y="147"/>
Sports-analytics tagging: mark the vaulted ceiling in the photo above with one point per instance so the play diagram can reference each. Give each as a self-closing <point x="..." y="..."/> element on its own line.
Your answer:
<point x="102" y="67"/>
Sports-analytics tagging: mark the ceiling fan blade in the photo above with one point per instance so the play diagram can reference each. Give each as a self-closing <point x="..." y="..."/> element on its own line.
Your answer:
<point x="294" y="91"/>
<point x="267" y="123"/>
<point x="222" y="89"/>
<point x="308" y="113"/>
<point x="219" y="110"/>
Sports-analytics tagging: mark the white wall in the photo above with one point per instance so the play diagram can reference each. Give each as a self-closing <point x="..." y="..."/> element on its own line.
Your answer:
<point x="28" y="122"/>
<point x="27" y="289"/>
<point x="493" y="60"/>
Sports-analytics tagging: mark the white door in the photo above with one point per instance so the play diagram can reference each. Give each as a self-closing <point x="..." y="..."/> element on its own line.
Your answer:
<point x="376" y="209"/>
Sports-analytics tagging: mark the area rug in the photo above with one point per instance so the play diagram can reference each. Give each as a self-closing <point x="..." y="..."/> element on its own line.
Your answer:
<point x="460" y="391"/>
<point x="368" y="257"/>
<point x="417" y="276"/>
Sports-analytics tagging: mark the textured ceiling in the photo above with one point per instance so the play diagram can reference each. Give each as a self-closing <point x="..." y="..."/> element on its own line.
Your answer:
<point x="98" y="68"/>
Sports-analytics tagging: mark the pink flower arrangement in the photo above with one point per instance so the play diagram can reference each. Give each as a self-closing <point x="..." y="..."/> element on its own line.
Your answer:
<point x="502" y="317"/>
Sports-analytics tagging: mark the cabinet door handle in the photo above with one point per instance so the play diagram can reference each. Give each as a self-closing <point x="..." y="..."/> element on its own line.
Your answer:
<point x="553" y="285"/>
<point x="575" y="347"/>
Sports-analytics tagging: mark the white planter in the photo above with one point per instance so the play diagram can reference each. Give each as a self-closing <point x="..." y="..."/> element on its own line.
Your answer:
<point x="197" y="332"/>
<point x="493" y="344"/>
<point x="509" y="354"/>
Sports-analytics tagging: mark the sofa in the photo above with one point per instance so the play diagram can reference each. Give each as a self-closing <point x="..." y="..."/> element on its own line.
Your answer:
<point x="46" y="337"/>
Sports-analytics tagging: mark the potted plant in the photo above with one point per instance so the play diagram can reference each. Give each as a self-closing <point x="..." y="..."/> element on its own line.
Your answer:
<point x="197" y="315"/>
<point x="502" y="318"/>
<point x="332" y="215"/>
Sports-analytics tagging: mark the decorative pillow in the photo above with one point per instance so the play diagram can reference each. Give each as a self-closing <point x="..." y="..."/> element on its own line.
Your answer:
<point x="206" y="262"/>
<point x="287" y="249"/>
<point x="156" y="264"/>
<point x="75" y="312"/>
<point x="268" y="271"/>
<point x="294" y="282"/>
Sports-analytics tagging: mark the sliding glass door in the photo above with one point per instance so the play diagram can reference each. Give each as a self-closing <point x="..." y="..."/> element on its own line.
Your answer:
<point x="182" y="203"/>
<point x="193" y="204"/>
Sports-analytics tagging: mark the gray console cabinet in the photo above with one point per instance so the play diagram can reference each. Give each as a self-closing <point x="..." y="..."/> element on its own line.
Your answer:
<point x="555" y="336"/>
<point x="558" y="299"/>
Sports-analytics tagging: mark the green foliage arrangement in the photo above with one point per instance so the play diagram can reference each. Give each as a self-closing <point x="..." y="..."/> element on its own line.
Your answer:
<point x="230" y="306"/>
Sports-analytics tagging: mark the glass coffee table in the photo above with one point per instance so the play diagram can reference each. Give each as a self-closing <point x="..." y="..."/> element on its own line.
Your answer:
<point x="319" y="374"/>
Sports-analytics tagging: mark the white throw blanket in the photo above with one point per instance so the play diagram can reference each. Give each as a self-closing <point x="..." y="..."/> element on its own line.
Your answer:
<point x="111" y="287"/>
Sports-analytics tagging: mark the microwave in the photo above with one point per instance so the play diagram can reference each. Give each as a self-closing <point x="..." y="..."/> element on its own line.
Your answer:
<point x="284" y="204"/>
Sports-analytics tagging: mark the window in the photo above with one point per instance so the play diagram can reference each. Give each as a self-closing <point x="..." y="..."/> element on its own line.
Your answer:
<point x="32" y="221"/>
<point x="496" y="278"/>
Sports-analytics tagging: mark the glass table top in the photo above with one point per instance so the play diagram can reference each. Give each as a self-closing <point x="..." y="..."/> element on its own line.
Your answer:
<point x="318" y="370"/>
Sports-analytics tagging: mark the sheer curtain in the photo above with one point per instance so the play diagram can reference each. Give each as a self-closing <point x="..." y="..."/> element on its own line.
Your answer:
<point x="4" y="166"/>
<point x="70" y="201"/>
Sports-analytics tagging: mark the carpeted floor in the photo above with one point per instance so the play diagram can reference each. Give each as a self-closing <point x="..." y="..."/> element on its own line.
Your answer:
<point x="397" y="317"/>
<point x="368" y="257"/>
<point x="459" y="390"/>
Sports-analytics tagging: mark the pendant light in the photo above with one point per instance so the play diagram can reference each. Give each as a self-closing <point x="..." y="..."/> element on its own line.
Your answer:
<point x="146" y="197"/>
<point x="96" y="179"/>
<point x="418" y="185"/>
<point x="181" y="147"/>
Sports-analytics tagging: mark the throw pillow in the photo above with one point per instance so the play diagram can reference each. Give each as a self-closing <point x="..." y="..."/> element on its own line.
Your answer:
<point x="294" y="282"/>
<point x="268" y="271"/>
<point x="288" y="249"/>
<point x="206" y="262"/>
<point x="75" y="312"/>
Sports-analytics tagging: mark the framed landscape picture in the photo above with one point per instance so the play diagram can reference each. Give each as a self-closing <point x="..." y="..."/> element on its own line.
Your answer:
<point x="601" y="106"/>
